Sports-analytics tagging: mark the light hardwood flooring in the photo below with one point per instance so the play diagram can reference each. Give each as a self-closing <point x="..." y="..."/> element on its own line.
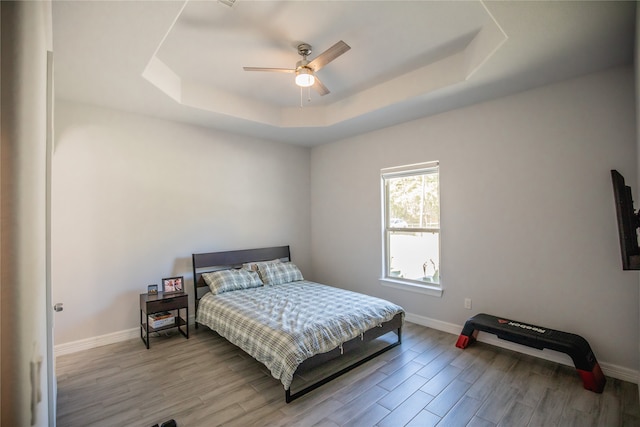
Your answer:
<point x="206" y="381"/>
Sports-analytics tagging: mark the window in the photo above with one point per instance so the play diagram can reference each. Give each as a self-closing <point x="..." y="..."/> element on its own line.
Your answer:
<point x="411" y="213"/>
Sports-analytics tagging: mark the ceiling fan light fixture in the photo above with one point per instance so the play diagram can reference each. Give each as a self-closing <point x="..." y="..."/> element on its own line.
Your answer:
<point x="304" y="77"/>
<point x="305" y="70"/>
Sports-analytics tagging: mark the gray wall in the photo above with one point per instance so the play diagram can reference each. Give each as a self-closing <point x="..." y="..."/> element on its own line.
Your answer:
<point x="527" y="210"/>
<point x="134" y="197"/>
<point x="528" y="218"/>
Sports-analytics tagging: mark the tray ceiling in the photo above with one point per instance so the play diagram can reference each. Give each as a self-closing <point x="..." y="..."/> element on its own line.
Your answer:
<point x="183" y="60"/>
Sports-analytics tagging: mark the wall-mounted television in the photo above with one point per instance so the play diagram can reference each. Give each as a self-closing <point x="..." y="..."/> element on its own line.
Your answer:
<point x="628" y="223"/>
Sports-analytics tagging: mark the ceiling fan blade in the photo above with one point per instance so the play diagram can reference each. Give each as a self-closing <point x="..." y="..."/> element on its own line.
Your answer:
<point x="276" y="70"/>
<point x="319" y="87"/>
<point x="329" y="55"/>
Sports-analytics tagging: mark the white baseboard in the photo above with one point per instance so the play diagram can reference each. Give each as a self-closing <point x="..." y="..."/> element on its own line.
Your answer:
<point x="608" y="369"/>
<point x="99" y="341"/>
<point x="93" y="342"/>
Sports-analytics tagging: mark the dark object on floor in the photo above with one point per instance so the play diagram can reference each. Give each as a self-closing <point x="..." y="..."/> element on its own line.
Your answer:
<point x="170" y="423"/>
<point x="538" y="337"/>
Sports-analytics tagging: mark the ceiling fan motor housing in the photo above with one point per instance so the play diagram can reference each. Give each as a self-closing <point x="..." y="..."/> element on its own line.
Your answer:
<point x="304" y="49"/>
<point x="302" y="64"/>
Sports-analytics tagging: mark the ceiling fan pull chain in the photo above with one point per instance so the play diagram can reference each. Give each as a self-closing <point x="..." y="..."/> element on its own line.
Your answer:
<point x="309" y="94"/>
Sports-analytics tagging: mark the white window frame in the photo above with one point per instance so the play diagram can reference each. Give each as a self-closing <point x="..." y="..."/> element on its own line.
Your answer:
<point x="433" y="289"/>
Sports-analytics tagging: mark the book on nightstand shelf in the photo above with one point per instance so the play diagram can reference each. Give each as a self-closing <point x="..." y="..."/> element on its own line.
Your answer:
<point x="159" y="320"/>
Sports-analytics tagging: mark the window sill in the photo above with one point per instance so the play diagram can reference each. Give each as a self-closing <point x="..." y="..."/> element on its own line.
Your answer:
<point x="432" y="290"/>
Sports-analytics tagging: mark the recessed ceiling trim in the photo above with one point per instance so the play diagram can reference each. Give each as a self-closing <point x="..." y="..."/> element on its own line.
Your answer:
<point x="430" y="78"/>
<point x="163" y="77"/>
<point x="222" y="102"/>
<point x="451" y="70"/>
<point x="173" y="23"/>
<point x="487" y="42"/>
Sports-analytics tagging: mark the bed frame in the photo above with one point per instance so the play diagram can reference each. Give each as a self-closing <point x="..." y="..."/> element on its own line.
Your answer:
<point x="206" y="262"/>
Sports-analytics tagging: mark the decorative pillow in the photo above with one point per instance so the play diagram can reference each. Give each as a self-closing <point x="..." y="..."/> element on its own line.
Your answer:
<point x="279" y="273"/>
<point x="231" y="280"/>
<point x="253" y="266"/>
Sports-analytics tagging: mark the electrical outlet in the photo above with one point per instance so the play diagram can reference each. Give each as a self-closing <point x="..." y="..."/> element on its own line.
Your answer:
<point x="467" y="303"/>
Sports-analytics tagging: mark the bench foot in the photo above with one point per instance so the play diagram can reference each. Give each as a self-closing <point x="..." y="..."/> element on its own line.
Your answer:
<point x="593" y="380"/>
<point x="465" y="341"/>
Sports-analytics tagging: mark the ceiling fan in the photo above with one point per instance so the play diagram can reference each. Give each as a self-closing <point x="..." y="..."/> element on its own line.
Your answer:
<point x="305" y="71"/>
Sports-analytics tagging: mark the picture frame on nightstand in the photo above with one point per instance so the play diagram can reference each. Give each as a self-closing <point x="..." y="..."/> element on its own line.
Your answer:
<point x="152" y="289"/>
<point x="173" y="285"/>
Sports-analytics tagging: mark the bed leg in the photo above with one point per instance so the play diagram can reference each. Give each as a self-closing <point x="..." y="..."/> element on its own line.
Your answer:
<point x="399" y="335"/>
<point x="287" y="395"/>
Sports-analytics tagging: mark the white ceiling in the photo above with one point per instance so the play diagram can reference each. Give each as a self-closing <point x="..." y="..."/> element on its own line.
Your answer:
<point x="183" y="61"/>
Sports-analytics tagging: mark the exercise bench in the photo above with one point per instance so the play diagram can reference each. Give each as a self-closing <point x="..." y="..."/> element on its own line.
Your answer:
<point x="538" y="337"/>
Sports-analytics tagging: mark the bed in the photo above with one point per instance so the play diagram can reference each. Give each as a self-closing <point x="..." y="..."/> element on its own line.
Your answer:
<point x="259" y="301"/>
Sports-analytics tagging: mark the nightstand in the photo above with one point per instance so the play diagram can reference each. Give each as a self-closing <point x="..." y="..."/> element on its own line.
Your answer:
<point x="152" y="304"/>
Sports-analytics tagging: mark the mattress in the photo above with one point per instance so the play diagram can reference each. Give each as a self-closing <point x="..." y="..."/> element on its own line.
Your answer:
<point x="283" y="325"/>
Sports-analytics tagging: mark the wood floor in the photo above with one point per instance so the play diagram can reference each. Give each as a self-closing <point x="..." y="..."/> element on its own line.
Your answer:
<point x="205" y="381"/>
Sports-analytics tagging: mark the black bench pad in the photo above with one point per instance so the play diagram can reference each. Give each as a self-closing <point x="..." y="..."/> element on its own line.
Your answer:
<point x="538" y="337"/>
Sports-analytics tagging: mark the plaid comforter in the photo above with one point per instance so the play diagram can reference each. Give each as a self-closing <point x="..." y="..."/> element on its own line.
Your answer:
<point x="283" y="325"/>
